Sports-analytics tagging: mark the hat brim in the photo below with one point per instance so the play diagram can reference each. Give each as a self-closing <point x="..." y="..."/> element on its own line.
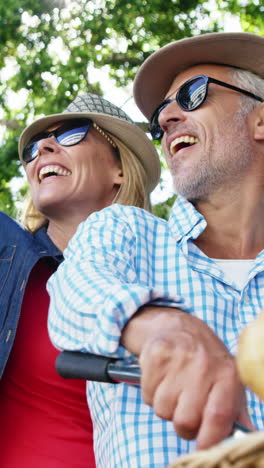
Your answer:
<point x="131" y="135"/>
<point x="154" y="78"/>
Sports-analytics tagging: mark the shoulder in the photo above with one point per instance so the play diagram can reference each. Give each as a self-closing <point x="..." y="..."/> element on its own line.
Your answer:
<point x="10" y="226"/>
<point x="116" y="216"/>
<point x="115" y="227"/>
<point x="8" y="220"/>
<point x="117" y="210"/>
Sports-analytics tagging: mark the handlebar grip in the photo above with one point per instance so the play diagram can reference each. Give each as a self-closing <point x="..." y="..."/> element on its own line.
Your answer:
<point x="77" y="365"/>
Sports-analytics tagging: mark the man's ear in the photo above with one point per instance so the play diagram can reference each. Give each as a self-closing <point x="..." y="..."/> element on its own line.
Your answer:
<point x="259" y="123"/>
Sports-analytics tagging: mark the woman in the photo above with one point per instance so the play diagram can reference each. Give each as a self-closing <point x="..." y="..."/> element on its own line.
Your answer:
<point x="76" y="162"/>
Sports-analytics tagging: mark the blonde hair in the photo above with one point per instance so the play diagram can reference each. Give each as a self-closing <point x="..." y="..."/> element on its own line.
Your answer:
<point x="131" y="192"/>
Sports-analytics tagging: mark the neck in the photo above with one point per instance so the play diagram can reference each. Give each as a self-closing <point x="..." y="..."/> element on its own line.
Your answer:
<point x="61" y="231"/>
<point x="63" y="221"/>
<point x="235" y="226"/>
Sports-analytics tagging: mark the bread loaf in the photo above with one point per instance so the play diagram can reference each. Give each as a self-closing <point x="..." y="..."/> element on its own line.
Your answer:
<point x="250" y="356"/>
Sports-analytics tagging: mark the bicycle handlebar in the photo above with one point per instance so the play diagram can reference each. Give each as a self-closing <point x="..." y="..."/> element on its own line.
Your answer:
<point x="77" y="365"/>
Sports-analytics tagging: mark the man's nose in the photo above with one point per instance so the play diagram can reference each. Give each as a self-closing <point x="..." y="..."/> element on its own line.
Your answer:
<point x="170" y="114"/>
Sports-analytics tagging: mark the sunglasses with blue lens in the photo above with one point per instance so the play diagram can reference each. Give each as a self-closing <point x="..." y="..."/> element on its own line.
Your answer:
<point x="189" y="97"/>
<point x="70" y="133"/>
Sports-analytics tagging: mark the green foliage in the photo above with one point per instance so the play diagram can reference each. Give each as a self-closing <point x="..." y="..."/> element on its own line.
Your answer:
<point x="251" y="13"/>
<point x="50" y="50"/>
<point x="163" y="209"/>
<point x="6" y="200"/>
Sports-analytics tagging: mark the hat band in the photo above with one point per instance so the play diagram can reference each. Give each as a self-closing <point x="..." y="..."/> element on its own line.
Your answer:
<point x="108" y="138"/>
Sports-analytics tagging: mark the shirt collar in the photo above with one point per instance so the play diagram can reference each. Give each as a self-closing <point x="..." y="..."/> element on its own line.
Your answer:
<point x="185" y="221"/>
<point x="43" y="239"/>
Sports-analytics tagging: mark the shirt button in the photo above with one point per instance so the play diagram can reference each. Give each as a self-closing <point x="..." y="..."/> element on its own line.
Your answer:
<point x="247" y="300"/>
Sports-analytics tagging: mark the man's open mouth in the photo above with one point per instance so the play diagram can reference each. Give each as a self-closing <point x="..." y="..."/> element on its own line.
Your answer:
<point x="182" y="142"/>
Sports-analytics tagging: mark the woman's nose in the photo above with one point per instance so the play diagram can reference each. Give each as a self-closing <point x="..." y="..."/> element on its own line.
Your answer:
<point x="48" y="144"/>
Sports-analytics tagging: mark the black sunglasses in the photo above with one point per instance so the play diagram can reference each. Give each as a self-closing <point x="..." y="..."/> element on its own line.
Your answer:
<point x="189" y="97"/>
<point x="70" y="133"/>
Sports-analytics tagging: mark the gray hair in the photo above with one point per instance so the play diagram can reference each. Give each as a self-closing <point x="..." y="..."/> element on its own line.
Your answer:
<point x="250" y="82"/>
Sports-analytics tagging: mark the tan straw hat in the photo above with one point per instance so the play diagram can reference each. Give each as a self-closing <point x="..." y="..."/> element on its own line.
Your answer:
<point x="110" y="118"/>
<point x="243" y="50"/>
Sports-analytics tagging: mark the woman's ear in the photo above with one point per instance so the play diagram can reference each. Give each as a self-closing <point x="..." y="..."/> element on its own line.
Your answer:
<point x="259" y="123"/>
<point x="118" y="177"/>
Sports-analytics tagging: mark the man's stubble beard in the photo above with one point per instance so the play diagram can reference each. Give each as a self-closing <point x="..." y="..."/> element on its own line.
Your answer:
<point x="234" y="157"/>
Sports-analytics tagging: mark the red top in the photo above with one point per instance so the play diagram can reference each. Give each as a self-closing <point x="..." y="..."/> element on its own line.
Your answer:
<point x="44" y="419"/>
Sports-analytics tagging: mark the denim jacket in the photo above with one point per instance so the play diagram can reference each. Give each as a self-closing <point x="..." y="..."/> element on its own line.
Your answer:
<point x="19" y="252"/>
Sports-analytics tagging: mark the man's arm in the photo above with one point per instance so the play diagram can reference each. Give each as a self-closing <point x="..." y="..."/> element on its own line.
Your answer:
<point x="98" y="288"/>
<point x="97" y="299"/>
<point x="188" y="374"/>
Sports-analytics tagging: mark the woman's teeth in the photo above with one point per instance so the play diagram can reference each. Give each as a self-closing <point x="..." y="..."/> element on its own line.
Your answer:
<point x="52" y="170"/>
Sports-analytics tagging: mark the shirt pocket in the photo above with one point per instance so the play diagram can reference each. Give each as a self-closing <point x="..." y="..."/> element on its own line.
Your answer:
<point x="7" y="254"/>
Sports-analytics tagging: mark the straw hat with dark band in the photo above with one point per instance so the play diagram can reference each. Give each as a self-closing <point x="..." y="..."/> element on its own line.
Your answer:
<point x="242" y="50"/>
<point x="111" y="119"/>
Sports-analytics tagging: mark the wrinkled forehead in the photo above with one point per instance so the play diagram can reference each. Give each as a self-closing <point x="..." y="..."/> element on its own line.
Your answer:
<point x="216" y="71"/>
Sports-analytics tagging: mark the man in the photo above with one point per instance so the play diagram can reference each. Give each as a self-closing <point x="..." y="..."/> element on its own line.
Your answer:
<point x="177" y="294"/>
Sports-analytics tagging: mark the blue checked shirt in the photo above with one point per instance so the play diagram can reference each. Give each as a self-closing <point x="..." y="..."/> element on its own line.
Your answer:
<point x="120" y="259"/>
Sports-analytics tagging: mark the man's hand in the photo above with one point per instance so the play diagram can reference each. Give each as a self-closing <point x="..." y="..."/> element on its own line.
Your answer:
<point x="188" y="374"/>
